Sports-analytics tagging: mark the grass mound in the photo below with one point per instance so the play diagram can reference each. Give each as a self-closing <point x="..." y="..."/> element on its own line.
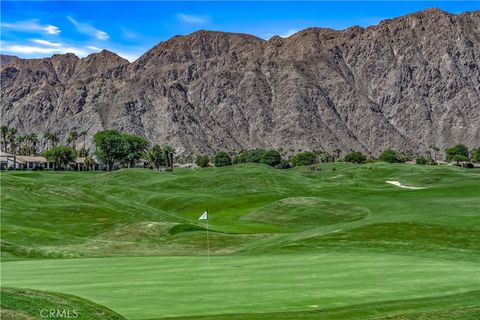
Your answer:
<point x="20" y="304"/>
<point x="184" y="227"/>
<point x="307" y="212"/>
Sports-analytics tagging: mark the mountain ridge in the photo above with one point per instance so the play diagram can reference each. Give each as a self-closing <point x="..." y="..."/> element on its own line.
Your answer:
<point x="407" y="83"/>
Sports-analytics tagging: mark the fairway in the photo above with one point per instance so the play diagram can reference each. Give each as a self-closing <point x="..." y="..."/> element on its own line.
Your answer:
<point x="281" y="240"/>
<point x="147" y="287"/>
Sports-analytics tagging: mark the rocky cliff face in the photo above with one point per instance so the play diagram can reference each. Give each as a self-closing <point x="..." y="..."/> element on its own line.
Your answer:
<point x="5" y="58"/>
<point x="407" y="83"/>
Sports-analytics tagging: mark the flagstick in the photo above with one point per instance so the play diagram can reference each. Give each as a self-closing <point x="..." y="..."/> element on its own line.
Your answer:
<point x="208" y="244"/>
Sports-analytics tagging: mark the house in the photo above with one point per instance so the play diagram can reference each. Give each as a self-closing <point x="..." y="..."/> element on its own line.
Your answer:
<point x="79" y="165"/>
<point x="7" y="160"/>
<point x="31" y="163"/>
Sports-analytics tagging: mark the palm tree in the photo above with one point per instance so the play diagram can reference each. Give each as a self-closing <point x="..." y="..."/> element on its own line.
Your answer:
<point x="83" y="134"/>
<point x="168" y="151"/>
<point x="20" y="142"/>
<point x="11" y="139"/>
<point x="435" y="151"/>
<point x="4" y="130"/>
<point x="33" y="141"/>
<point x="51" y="138"/>
<point x="337" y="152"/>
<point x="72" y="139"/>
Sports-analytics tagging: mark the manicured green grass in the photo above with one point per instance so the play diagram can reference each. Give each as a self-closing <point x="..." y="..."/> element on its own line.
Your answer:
<point x="282" y="240"/>
<point x="25" y="304"/>
<point x="147" y="287"/>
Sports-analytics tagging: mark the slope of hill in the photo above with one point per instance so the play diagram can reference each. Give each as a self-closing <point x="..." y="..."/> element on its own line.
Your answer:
<point x="284" y="244"/>
<point x="407" y="83"/>
<point x="254" y="208"/>
<point x="5" y="59"/>
<point x="27" y="304"/>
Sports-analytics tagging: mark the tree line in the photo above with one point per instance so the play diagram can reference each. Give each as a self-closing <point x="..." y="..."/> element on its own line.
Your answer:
<point x="458" y="153"/>
<point x="116" y="149"/>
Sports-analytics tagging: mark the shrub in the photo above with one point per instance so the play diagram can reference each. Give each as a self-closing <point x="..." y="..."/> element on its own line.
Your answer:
<point x="421" y="160"/>
<point x="284" y="164"/>
<point x="304" y="158"/>
<point x="202" y="161"/>
<point x="249" y="156"/>
<point x="388" y="156"/>
<point x="271" y="157"/>
<point x="222" y="159"/>
<point x="355" y="157"/>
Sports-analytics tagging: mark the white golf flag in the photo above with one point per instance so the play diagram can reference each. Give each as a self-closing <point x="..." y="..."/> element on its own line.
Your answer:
<point x="204" y="216"/>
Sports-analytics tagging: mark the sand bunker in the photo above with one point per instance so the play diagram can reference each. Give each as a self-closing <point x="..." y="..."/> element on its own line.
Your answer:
<point x="398" y="184"/>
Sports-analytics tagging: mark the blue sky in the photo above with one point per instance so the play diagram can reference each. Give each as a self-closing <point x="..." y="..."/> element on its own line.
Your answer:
<point x="43" y="28"/>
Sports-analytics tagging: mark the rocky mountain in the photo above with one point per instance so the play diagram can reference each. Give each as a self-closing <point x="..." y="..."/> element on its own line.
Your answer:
<point x="5" y="58"/>
<point x="407" y="83"/>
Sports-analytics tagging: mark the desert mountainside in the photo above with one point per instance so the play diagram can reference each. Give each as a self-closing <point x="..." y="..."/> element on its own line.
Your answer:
<point x="407" y="83"/>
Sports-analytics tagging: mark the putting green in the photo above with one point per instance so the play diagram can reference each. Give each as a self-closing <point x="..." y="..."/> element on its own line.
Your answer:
<point x="148" y="287"/>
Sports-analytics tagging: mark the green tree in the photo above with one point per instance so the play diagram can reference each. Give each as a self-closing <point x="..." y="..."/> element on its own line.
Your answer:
<point x="61" y="156"/>
<point x="476" y="155"/>
<point x="137" y="146"/>
<point x="388" y="156"/>
<point x="202" y="161"/>
<point x="305" y="158"/>
<point x="271" y="157"/>
<point x="222" y="159"/>
<point x="156" y="157"/>
<point x="110" y="147"/>
<point x="457" y="153"/>
<point x="458" y="157"/>
<point x="355" y="157"/>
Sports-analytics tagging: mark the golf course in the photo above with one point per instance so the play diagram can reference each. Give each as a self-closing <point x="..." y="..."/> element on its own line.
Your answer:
<point x="344" y="241"/>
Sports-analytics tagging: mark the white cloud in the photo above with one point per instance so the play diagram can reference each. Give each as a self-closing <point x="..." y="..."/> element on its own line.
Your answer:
<point x="31" y="26"/>
<point x="47" y="43"/>
<point x="94" y="48"/>
<point x="32" y="50"/>
<point x="188" y="18"/>
<point x="88" y="29"/>
<point x="288" y="33"/>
